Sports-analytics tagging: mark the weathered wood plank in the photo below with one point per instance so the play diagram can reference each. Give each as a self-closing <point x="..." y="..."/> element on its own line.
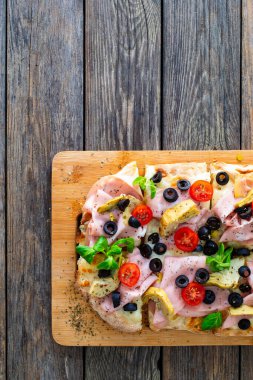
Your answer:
<point x="45" y="115"/>
<point x="201" y="110"/>
<point x="2" y="189"/>
<point x="247" y="129"/>
<point x="122" y="112"/>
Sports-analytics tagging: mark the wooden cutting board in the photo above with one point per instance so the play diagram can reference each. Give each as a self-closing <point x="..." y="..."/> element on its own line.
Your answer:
<point x="74" y="323"/>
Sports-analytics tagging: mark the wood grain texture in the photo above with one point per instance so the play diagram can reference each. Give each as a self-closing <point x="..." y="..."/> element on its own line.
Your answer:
<point x="201" y="110"/>
<point x="247" y="74"/>
<point x="201" y="74"/>
<point x="246" y="366"/>
<point x="123" y="74"/>
<point x="123" y="49"/>
<point x="2" y="189"/>
<point x="45" y="113"/>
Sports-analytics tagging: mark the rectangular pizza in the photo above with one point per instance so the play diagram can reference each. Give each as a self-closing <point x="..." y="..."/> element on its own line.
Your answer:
<point x="174" y="245"/>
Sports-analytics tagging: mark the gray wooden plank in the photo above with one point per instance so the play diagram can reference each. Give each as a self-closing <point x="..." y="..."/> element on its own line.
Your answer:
<point x="122" y="112"/>
<point x="201" y="110"/>
<point x="45" y="115"/>
<point x="247" y="129"/>
<point x="2" y="189"/>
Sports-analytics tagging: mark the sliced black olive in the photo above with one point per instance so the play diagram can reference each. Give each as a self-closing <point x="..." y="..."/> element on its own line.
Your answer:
<point x="244" y="324"/>
<point x="210" y="248"/>
<point x="209" y="297"/>
<point x="157" y="177"/>
<point x="130" y="307"/>
<point x="199" y="248"/>
<point x="235" y="299"/>
<point x="145" y="250"/>
<point x="155" y="265"/>
<point x="183" y="184"/>
<point x="244" y="212"/>
<point x="133" y="222"/>
<point x="222" y="178"/>
<point x="110" y="228"/>
<point x="204" y="233"/>
<point x="245" y="288"/>
<point x="202" y="276"/>
<point x="182" y="281"/>
<point x="242" y="252"/>
<point x="160" y="248"/>
<point x="213" y="223"/>
<point x="154" y="238"/>
<point x="244" y="271"/>
<point x="170" y="194"/>
<point x="116" y="299"/>
<point x="104" y="273"/>
<point x="122" y="204"/>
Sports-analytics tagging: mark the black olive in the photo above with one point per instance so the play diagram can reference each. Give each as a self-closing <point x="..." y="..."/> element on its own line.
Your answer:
<point x="245" y="288"/>
<point x="154" y="238"/>
<point x="183" y="184"/>
<point x="182" y="281"/>
<point x="242" y="252"/>
<point x="130" y="307"/>
<point x="116" y="299"/>
<point x="213" y="223"/>
<point x="244" y="271"/>
<point x="122" y="204"/>
<point x="160" y="248"/>
<point x="199" y="248"/>
<point x="204" y="233"/>
<point x="133" y="222"/>
<point x="202" y="276"/>
<point x="222" y="178"/>
<point x="145" y="250"/>
<point x="209" y="297"/>
<point x="170" y="194"/>
<point x="244" y="212"/>
<point x="157" y="177"/>
<point x="155" y="265"/>
<point x="235" y="299"/>
<point x="210" y="248"/>
<point x="104" y="273"/>
<point x="244" y="324"/>
<point x="110" y="228"/>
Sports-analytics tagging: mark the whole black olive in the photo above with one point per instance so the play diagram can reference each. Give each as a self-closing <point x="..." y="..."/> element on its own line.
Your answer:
<point x="209" y="297"/>
<point x="244" y="271"/>
<point x="244" y="212"/>
<point x="154" y="238"/>
<point x="245" y="288"/>
<point x="204" y="233"/>
<point x="244" y="324"/>
<point x="133" y="222"/>
<point x="145" y="250"/>
<point x="122" y="204"/>
<point x="210" y="248"/>
<point x="235" y="299"/>
<point x="213" y="223"/>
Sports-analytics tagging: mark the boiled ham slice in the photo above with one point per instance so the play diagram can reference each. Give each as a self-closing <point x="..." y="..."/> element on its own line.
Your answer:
<point x="225" y="205"/>
<point x="158" y="204"/>
<point x="240" y="233"/>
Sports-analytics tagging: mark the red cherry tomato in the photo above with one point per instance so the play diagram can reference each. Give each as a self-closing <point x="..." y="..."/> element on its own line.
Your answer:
<point x="129" y="274"/>
<point x="193" y="294"/>
<point x="201" y="191"/>
<point x="143" y="213"/>
<point x="186" y="239"/>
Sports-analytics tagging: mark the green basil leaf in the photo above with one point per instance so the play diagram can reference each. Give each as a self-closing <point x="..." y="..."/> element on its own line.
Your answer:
<point x="221" y="260"/>
<point x="86" y="252"/>
<point x="108" y="264"/>
<point x="127" y="242"/>
<point x="101" y="244"/>
<point x="152" y="188"/>
<point x="114" y="250"/>
<point x="212" y="321"/>
<point x="141" y="181"/>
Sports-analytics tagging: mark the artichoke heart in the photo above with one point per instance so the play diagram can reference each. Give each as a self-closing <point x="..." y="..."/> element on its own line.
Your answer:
<point x="242" y="310"/>
<point x="180" y="213"/>
<point x="245" y="201"/>
<point x="112" y="203"/>
<point x="101" y="287"/>
<point x="160" y="297"/>
<point x="227" y="278"/>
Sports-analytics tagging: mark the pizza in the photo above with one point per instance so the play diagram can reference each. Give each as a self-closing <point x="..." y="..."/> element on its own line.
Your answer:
<point x="174" y="245"/>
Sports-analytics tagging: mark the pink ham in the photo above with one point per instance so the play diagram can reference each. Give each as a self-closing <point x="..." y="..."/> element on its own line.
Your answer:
<point x="158" y="204"/>
<point x="240" y="233"/>
<point x="248" y="300"/>
<point x="175" y="266"/>
<point x="225" y="205"/>
<point x="159" y="320"/>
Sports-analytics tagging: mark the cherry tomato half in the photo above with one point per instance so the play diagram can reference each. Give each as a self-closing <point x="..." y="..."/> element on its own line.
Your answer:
<point x="193" y="294"/>
<point x="143" y="213"/>
<point x="201" y="191"/>
<point x="129" y="274"/>
<point x="186" y="239"/>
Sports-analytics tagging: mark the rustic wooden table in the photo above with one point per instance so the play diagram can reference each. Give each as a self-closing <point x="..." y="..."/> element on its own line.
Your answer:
<point x="146" y="74"/>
